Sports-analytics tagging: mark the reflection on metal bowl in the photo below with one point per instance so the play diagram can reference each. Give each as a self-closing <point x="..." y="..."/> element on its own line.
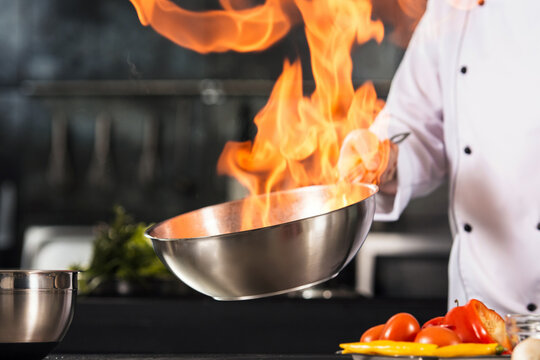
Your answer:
<point x="310" y="239"/>
<point x="36" y="309"/>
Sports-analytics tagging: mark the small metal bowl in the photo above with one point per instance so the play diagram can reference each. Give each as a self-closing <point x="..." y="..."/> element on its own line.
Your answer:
<point x="307" y="242"/>
<point x="36" y="309"/>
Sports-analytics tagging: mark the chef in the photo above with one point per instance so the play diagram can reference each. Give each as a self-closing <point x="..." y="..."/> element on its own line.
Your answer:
<point x="468" y="91"/>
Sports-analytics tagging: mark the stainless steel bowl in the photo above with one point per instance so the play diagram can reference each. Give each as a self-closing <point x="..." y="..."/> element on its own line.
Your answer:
<point x="309" y="240"/>
<point x="36" y="309"/>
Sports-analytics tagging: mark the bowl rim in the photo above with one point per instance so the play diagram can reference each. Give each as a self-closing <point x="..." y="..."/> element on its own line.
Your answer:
<point x="375" y="189"/>
<point x="37" y="279"/>
<point x="36" y="271"/>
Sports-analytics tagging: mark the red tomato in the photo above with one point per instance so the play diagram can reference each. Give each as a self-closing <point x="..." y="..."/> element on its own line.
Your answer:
<point x="436" y="321"/>
<point x="438" y="335"/>
<point x="373" y="333"/>
<point x="400" y="327"/>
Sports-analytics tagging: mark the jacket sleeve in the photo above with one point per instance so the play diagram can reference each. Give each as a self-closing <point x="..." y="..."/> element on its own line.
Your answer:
<point x="414" y="105"/>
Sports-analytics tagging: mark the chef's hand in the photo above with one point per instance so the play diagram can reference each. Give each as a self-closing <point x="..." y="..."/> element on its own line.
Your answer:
<point x="359" y="160"/>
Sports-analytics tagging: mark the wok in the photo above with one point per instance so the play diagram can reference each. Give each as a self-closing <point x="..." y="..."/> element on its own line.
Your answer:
<point x="309" y="239"/>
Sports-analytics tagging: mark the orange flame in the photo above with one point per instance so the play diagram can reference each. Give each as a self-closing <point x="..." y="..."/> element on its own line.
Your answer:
<point x="298" y="138"/>
<point x="233" y="28"/>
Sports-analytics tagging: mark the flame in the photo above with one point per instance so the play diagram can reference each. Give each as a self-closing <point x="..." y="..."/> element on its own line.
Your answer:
<point x="234" y="28"/>
<point x="298" y="137"/>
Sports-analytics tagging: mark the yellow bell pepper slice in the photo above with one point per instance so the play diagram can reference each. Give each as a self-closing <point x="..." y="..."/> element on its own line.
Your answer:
<point x="469" y="349"/>
<point x="389" y="348"/>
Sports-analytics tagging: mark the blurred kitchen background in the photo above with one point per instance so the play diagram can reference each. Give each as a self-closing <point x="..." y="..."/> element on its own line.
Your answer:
<point x="97" y="110"/>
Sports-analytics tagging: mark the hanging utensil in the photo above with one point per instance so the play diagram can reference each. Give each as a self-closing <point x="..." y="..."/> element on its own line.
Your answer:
<point x="58" y="173"/>
<point x="148" y="165"/>
<point x="100" y="172"/>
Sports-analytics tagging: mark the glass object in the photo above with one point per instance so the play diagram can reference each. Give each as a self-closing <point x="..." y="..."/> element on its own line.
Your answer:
<point x="521" y="326"/>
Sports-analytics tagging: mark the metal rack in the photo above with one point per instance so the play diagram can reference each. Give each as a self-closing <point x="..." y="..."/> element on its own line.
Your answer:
<point x="186" y="87"/>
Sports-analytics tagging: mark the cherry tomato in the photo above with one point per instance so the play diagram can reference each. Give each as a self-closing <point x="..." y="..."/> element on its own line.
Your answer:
<point x="438" y="335"/>
<point x="436" y="321"/>
<point x="373" y="333"/>
<point x="400" y="327"/>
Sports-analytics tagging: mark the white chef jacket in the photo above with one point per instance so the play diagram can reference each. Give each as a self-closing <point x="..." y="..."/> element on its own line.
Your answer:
<point x="468" y="90"/>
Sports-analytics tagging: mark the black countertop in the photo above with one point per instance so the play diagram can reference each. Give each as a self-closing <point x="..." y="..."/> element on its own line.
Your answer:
<point x="197" y="357"/>
<point x="200" y="325"/>
<point x="243" y="357"/>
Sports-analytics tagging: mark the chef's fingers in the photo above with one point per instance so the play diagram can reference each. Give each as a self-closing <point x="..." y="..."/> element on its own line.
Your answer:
<point x="357" y="144"/>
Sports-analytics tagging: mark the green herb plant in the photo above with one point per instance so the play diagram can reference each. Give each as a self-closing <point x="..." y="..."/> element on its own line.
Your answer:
<point x="121" y="252"/>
